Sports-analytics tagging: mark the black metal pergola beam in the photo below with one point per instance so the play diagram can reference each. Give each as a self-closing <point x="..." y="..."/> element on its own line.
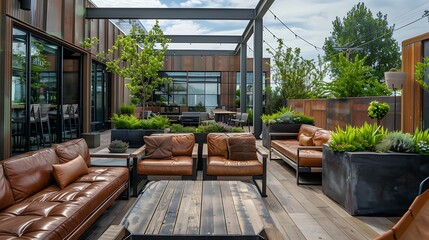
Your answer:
<point x="204" y="39"/>
<point x="186" y="52"/>
<point x="171" y="13"/>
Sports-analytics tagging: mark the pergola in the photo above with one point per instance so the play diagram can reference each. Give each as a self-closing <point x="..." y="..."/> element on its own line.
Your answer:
<point x="254" y="27"/>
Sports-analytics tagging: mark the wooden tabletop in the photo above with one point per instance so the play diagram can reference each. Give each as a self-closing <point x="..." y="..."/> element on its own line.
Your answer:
<point x="222" y="111"/>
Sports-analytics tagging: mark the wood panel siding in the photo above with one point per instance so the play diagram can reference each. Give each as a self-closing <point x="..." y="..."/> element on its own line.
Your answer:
<point x="54" y="18"/>
<point x="79" y="22"/>
<point x="412" y="52"/>
<point x="68" y="22"/>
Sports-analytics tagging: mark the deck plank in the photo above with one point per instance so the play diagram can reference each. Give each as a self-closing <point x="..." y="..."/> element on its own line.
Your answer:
<point x="139" y="220"/>
<point x="218" y="212"/>
<point x="184" y="213"/>
<point x="231" y="220"/>
<point x="243" y="217"/>
<point x="159" y="214"/>
<point x="195" y="210"/>
<point x="172" y="211"/>
<point x="207" y="220"/>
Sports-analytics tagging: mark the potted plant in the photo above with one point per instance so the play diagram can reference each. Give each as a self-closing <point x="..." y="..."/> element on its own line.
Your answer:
<point x="118" y="146"/>
<point x="132" y="130"/>
<point x="378" y="110"/>
<point x="395" y="79"/>
<point x="369" y="171"/>
<point x="284" y="120"/>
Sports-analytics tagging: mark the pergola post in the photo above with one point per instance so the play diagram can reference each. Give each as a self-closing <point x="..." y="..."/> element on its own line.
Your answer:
<point x="243" y="76"/>
<point x="257" y="77"/>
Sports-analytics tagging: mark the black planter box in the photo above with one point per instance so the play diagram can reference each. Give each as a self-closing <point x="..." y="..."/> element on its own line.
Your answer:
<point x="134" y="137"/>
<point x="367" y="183"/>
<point x="277" y="128"/>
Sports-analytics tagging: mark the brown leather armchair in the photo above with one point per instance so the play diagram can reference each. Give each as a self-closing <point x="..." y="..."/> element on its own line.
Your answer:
<point x="168" y="155"/>
<point x="234" y="154"/>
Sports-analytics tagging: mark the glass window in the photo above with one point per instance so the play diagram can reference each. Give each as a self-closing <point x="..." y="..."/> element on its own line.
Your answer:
<point x="194" y="100"/>
<point x="195" y="88"/>
<point x="211" y="101"/>
<point x="212" y="88"/>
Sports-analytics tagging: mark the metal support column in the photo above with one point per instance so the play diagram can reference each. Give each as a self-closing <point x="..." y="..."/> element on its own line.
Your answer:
<point x="243" y="76"/>
<point x="257" y="77"/>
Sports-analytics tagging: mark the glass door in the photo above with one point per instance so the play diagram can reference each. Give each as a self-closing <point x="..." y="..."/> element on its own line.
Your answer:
<point x="100" y="103"/>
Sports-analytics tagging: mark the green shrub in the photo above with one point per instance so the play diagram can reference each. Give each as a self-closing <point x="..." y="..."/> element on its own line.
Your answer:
<point x="127" y="109"/>
<point x="421" y="141"/>
<point x="155" y="122"/>
<point x="354" y="139"/>
<point x="178" y="128"/>
<point x="377" y="109"/>
<point x="286" y="115"/>
<point x="249" y="111"/>
<point x="125" y="121"/>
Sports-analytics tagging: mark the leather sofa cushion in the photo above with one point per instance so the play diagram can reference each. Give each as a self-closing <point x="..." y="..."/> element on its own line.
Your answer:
<point x="178" y="165"/>
<point x="71" y="149"/>
<point x="321" y="137"/>
<point x="305" y="140"/>
<point x="158" y="147"/>
<point x="308" y="158"/>
<point x="65" y="173"/>
<point x="30" y="172"/>
<point x="183" y="144"/>
<point x="6" y="195"/>
<point x="219" y="166"/>
<point x="54" y="213"/>
<point x="242" y="147"/>
<point x="307" y="130"/>
<point x="216" y="144"/>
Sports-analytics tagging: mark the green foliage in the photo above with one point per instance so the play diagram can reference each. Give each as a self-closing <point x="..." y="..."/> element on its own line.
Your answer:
<point x="199" y="108"/>
<point x="118" y="144"/>
<point x="354" y="79"/>
<point x="354" y="139"/>
<point x="204" y="128"/>
<point x="358" y="27"/>
<point x="286" y="115"/>
<point x="297" y="77"/>
<point x="138" y="57"/>
<point x="155" y="122"/>
<point x="178" y="128"/>
<point x="274" y="100"/>
<point x="88" y="43"/>
<point x="249" y="111"/>
<point x="401" y="142"/>
<point x="124" y="121"/>
<point x="377" y="109"/>
<point x="127" y="109"/>
<point x="420" y="69"/>
<point x="421" y="141"/>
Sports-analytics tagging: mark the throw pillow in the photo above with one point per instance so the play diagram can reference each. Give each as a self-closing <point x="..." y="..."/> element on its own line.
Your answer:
<point x="158" y="147"/>
<point x="68" y="172"/>
<point x="242" y="147"/>
<point x="183" y="144"/>
<point x="321" y="137"/>
<point x="305" y="140"/>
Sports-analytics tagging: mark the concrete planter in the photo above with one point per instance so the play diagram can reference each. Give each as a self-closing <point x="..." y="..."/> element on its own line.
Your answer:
<point x="368" y="183"/>
<point x="134" y="137"/>
<point x="277" y="128"/>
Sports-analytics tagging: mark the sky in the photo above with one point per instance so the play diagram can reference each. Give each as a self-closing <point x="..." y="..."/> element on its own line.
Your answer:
<point x="309" y="19"/>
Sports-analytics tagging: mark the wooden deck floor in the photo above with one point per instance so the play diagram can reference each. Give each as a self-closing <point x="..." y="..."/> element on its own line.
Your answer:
<point x="298" y="212"/>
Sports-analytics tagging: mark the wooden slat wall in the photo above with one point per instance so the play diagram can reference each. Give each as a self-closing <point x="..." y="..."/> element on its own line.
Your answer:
<point x="330" y="113"/>
<point x="412" y="53"/>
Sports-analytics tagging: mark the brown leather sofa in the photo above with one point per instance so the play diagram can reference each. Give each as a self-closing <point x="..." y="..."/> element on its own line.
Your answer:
<point x="235" y="154"/>
<point x="167" y="155"/>
<point x="53" y="193"/>
<point x="303" y="150"/>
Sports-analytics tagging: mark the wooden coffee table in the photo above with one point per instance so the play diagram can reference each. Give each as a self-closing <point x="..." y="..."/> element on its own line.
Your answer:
<point x="104" y="158"/>
<point x="198" y="210"/>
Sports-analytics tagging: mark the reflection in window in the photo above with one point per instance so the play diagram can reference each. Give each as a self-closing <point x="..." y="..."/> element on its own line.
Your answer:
<point x="249" y="86"/>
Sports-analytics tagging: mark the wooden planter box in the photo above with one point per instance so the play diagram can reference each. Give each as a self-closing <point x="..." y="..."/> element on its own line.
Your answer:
<point x="277" y="128"/>
<point x="134" y="137"/>
<point x="368" y="183"/>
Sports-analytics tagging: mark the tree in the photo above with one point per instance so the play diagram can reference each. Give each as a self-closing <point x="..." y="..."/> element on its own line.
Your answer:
<point x="359" y="33"/>
<point x="354" y="79"/>
<point x="136" y="58"/>
<point x="297" y="77"/>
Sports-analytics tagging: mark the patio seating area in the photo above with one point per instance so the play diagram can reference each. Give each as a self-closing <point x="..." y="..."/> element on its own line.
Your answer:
<point x="297" y="211"/>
